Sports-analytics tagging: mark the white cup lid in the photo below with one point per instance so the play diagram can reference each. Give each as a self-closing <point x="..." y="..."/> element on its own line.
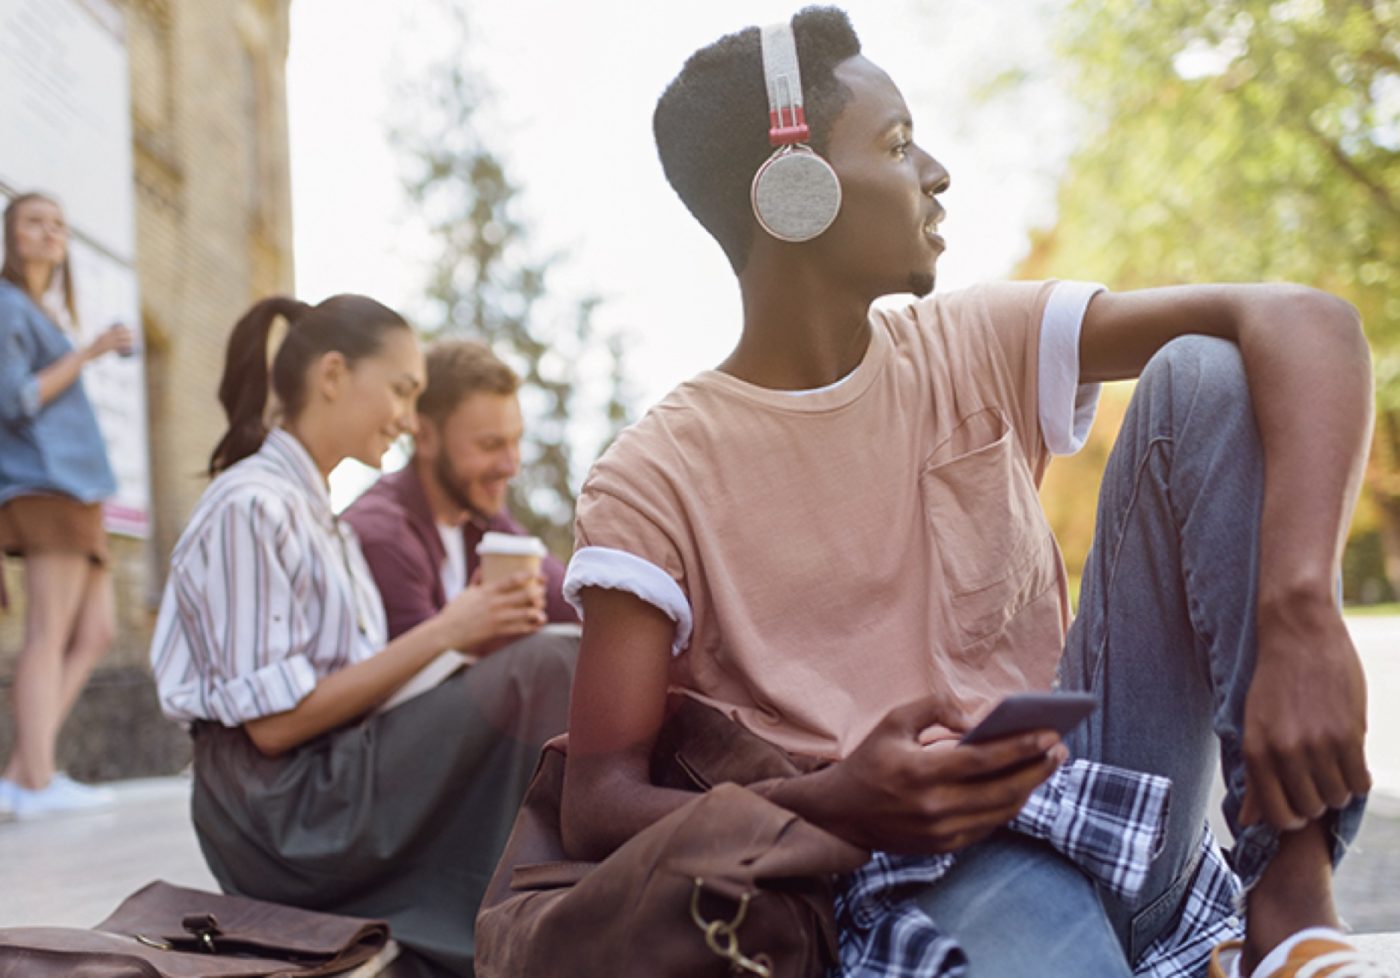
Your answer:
<point x="511" y="545"/>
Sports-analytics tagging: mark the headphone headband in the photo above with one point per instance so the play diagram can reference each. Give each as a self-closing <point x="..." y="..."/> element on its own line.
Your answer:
<point x="787" y="123"/>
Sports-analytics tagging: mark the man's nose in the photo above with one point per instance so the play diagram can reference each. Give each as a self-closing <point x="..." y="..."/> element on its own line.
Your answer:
<point x="935" y="178"/>
<point x="510" y="461"/>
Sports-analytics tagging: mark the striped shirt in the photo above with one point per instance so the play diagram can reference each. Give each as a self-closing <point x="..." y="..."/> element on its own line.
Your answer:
<point x="268" y="593"/>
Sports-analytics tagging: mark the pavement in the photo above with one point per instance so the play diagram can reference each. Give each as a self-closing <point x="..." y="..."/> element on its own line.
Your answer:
<point x="75" y="870"/>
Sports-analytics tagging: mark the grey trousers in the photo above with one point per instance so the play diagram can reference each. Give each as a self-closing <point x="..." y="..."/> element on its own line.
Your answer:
<point x="400" y="817"/>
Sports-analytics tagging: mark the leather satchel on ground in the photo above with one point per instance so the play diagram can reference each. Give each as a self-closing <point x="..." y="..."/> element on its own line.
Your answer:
<point x="165" y="931"/>
<point x="729" y="884"/>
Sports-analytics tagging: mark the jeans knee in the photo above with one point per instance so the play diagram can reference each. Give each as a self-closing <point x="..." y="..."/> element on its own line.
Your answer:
<point x="1203" y="374"/>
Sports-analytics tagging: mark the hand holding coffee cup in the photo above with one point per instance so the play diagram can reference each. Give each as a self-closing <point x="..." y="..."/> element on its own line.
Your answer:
<point x="117" y="337"/>
<point x="126" y="339"/>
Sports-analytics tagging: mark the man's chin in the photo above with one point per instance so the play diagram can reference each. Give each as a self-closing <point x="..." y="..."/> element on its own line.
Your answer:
<point x="485" y="509"/>
<point x="921" y="283"/>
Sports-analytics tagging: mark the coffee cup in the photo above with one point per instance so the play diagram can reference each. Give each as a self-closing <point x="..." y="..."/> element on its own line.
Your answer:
<point x="503" y="555"/>
<point x="133" y="344"/>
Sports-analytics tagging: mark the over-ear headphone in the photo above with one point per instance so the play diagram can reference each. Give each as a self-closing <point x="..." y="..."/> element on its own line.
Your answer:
<point x="795" y="193"/>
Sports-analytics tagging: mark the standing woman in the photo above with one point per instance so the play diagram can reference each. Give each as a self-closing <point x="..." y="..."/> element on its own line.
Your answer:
<point x="54" y="474"/>
<point x="271" y="645"/>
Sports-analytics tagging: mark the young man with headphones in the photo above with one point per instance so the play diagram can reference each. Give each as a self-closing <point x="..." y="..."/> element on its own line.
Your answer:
<point x="835" y="538"/>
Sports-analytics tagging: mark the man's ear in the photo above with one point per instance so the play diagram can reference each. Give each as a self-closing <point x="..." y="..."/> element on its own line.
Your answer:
<point x="427" y="440"/>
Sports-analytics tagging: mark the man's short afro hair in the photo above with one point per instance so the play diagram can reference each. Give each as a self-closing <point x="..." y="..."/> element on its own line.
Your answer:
<point x="711" y="123"/>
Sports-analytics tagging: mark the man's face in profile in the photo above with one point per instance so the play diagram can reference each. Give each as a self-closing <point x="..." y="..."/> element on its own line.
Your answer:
<point x="478" y="451"/>
<point x="885" y="237"/>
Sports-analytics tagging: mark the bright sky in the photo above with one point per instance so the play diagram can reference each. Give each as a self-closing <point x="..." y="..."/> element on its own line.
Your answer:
<point x="574" y="86"/>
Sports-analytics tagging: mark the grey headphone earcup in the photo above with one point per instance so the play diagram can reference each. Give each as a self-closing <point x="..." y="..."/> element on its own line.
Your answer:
<point x="796" y="195"/>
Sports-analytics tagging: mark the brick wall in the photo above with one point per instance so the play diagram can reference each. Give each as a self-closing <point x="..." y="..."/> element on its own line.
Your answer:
<point x="213" y="230"/>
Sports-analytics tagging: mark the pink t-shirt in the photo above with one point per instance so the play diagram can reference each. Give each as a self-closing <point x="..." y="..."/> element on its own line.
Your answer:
<point x="854" y="548"/>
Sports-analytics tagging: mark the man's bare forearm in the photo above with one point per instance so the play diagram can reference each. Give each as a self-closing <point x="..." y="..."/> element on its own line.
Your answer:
<point x="606" y="803"/>
<point x="1310" y="380"/>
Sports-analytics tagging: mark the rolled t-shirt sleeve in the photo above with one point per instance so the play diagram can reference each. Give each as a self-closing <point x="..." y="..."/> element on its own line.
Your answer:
<point x="1066" y="406"/>
<point x="1033" y="329"/>
<point x="619" y="570"/>
<point x="618" y="547"/>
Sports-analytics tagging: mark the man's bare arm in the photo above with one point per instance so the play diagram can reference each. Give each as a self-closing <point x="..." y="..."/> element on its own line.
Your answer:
<point x="619" y="701"/>
<point x="892" y="793"/>
<point x="1310" y="383"/>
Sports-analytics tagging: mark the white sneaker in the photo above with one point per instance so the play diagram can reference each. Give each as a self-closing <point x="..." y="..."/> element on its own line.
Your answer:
<point x="61" y="796"/>
<point x="7" y="799"/>
<point x="83" y="794"/>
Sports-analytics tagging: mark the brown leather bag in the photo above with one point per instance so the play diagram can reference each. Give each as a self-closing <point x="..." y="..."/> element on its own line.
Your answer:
<point x="729" y="884"/>
<point x="165" y="931"/>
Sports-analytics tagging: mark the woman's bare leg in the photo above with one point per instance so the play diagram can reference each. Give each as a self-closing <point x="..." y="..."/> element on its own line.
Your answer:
<point x="55" y="585"/>
<point x="92" y="636"/>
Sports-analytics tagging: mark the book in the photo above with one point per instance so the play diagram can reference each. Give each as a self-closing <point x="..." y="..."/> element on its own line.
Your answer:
<point x="449" y="662"/>
<point x="427" y="678"/>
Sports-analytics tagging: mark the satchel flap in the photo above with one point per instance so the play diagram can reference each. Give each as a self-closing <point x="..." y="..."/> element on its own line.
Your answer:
<point x="699" y="747"/>
<point x="549" y="876"/>
<point x="731" y="833"/>
<point x="159" y="910"/>
<point x="40" y="952"/>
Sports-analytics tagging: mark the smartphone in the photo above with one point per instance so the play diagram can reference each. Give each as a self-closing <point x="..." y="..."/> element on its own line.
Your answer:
<point x="1024" y="712"/>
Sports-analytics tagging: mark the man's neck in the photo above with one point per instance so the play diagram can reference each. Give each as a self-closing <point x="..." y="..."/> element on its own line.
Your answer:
<point x="800" y="336"/>
<point x="445" y="510"/>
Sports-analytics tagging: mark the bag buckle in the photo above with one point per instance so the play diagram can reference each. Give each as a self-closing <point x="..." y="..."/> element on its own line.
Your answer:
<point x="721" y="936"/>
<point x="205" y="927"/>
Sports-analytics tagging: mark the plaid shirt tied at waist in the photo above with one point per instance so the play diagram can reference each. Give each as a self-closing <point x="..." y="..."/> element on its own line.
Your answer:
<point x="1110" y="822"/>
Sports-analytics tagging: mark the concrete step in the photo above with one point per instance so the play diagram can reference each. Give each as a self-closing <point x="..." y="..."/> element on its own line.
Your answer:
<point x="1385" y="948"/>
<point x="74" y="871"/>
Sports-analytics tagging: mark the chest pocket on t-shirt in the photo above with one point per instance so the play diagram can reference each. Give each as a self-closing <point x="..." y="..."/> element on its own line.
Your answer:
<point x="992" y="539"/>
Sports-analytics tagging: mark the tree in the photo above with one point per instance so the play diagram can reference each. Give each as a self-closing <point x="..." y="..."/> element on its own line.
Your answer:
<point x="488" y="283"/>
<point x="1244" y="140"/>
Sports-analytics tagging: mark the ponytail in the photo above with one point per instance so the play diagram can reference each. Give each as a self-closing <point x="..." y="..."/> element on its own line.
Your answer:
<point x="244" y="387"/>
<point x="352" y="325"/>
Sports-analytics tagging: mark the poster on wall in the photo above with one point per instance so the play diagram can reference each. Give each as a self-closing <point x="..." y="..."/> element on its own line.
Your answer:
<point x="106" y="294"/>
<point x="65" y="129"/>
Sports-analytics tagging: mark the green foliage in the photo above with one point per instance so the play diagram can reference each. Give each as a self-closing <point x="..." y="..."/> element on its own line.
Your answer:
<point x="1243" y="140"/>
<point x="486" y="282"/>
<point x="1240" y="140"/>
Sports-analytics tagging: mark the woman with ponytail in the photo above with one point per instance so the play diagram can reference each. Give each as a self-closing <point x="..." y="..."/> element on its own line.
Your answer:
<point x="54" y="474"/>
<point x="271" y="646"/>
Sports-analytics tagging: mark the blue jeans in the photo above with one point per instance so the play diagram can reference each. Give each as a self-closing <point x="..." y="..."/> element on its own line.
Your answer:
<point x="1165" y="637"/>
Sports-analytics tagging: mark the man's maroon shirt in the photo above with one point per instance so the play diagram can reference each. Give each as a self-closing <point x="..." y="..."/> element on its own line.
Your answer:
<point x="400" y="539"/>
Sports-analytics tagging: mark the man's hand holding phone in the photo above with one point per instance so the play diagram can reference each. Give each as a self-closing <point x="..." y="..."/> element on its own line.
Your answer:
<point x="895" y="793"/>
<point x="1032" y="713"/>
<point x="1027" y="712"/>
